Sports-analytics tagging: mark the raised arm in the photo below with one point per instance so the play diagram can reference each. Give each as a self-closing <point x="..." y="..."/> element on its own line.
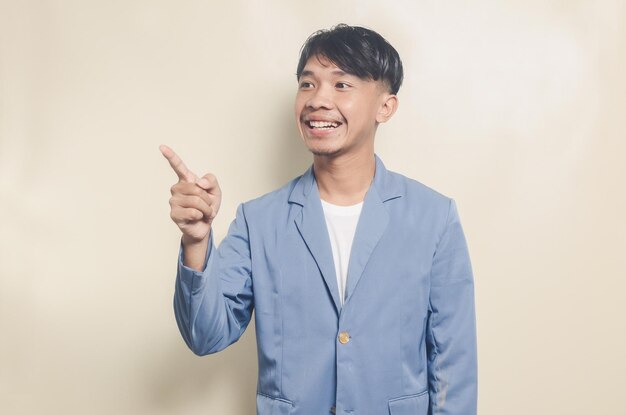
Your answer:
<point x="213" y="295"/>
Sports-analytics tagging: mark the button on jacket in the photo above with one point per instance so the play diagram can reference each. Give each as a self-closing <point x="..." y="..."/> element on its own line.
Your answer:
<point x="404" y="341"/>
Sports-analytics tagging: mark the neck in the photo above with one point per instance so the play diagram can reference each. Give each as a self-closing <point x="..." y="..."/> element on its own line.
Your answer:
<point x="344" y="180"/>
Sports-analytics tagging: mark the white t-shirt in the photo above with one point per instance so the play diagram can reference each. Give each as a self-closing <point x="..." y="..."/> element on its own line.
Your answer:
<point x="341" y="222"/>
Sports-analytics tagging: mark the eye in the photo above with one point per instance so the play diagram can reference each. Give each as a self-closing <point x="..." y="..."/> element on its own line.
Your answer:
<point x="341" y="85"/>
<point x="306" y="85"/>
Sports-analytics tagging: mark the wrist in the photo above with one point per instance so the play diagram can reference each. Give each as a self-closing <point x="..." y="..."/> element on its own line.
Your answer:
<point x="190" y="241"/>
<point x="195" y="251"/>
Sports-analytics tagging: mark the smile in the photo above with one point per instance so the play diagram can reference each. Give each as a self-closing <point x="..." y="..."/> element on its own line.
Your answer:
<point x="322" y="125"/>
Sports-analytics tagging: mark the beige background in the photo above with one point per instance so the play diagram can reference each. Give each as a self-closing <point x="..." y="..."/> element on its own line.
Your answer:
<point x="516" y="109"/>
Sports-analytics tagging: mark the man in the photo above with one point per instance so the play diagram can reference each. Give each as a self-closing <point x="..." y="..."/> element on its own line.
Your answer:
<point x="360" y="277"/>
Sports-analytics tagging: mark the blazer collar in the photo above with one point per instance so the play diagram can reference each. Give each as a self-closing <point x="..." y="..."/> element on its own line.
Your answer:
<point x="387" y="186"/>
<point x="372" y="224"/>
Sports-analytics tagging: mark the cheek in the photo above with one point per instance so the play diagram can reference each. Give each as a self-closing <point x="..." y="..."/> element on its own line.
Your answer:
<point x="359" y="112"/>
<point x="296" y="110"/>
<point x="348" y="108"/>
<point x="298" y="106"/>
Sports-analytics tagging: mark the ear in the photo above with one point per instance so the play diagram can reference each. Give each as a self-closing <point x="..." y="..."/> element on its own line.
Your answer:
<point x="388" y="106"/>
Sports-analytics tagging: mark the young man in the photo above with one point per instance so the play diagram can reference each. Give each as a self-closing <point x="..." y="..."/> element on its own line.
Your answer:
<point x="360" y="277"/>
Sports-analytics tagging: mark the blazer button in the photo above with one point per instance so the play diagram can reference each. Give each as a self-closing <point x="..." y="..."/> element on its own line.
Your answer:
<point x="344" y="337"/>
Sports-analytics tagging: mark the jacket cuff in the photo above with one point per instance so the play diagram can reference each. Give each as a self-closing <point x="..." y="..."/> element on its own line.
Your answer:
<point x="187" y="274"/>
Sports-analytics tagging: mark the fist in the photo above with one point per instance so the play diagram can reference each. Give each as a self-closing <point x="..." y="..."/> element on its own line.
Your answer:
<point x="195" y="200"/>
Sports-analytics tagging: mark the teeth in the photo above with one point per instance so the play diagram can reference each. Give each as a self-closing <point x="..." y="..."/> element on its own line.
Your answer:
<point x="323" y="124"/>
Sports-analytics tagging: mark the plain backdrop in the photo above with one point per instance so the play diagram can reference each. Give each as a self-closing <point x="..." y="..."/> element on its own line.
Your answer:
<point x="516" y="109"/>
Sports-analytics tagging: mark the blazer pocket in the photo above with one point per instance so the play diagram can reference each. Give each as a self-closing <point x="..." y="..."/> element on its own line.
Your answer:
<point x="410" y="404"/>
<point x="267" y="405"/>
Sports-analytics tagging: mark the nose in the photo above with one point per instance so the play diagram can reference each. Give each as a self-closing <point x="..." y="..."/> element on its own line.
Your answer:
<point x="320" y="98"/>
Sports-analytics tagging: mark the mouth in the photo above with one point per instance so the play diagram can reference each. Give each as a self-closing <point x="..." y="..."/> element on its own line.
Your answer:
<point x="319" y="125"/>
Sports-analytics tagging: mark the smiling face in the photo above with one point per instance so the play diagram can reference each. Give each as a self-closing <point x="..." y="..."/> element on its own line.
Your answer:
<point x="337" y="113"/>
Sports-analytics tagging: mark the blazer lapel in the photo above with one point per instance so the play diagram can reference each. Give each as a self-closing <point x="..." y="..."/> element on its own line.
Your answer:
<point x="312" y="227"/>
<point x="372" y="224"/>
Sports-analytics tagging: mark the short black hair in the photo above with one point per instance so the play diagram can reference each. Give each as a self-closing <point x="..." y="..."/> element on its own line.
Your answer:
<point x="357" y="51"/>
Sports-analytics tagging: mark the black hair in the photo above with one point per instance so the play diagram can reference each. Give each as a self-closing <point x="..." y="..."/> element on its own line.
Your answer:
<point x="357" y="51"/>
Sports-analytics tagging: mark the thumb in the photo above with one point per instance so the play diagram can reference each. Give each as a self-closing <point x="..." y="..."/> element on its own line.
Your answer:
<point x="207" y="182"/>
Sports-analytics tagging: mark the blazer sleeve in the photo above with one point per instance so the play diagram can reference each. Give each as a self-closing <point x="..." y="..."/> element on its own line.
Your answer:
<point x="451" y="326"/>
<point x="213" y="307"/>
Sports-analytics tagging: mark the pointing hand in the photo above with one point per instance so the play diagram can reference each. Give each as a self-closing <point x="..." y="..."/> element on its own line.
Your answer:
<point x="195" y="201"/>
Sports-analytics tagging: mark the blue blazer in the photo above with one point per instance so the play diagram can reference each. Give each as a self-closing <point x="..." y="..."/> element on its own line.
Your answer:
<point x="404" y="342"/>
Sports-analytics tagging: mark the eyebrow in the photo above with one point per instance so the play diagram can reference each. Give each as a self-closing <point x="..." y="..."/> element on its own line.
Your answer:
<point x="336" y="72"/>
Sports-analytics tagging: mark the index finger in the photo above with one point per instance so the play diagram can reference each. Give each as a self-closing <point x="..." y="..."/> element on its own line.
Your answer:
<point x="177" y="164"/>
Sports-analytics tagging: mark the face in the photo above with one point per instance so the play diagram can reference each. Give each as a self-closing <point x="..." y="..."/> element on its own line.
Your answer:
<point x="337" y="113"/>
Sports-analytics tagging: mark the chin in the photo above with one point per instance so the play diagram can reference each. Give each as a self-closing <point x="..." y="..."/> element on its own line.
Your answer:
<point x="322" y="149"/>
<point x="325" y="152"/>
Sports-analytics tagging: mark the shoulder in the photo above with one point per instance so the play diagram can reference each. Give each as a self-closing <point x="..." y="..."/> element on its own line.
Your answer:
<point x="271" y="201"/>
<point x="416" y="192"/>
<point x="418" y="204"/>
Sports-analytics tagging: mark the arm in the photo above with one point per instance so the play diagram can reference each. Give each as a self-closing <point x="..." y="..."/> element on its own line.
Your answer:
<point x="213" y="307"/>
<point x="451" y="328"/>
<point x="213" y="293"/>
